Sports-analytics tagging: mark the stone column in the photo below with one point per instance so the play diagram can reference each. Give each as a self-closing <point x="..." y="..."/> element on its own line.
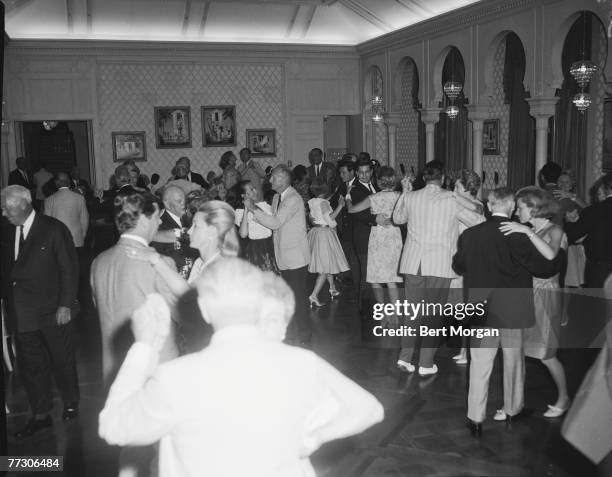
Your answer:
<point x="430" y="116"/>
<point x="541" y="109"/>
<point x="392" y="120"/>
<point x="477" y="114"/>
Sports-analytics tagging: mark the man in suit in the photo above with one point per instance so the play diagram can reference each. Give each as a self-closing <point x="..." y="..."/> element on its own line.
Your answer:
<point x="69" y="208"/>
<point x="251" y="170"/>
<point x="498" y="269"/>
<point x="171" y="219"/>
<point x="363" y="221"/>
<point x="80" y="185"/>
<point x="21" y="176"/>
<point x="596" y="223"/>
<point x="120" y="281"/>
<point x="433" y="215"/>
<point x="346" y="170"/>
<point x="188" y="174"/>
<point x="320" y="168"/>
<point x="40" y="272"/>
<point x="288" y="225"/>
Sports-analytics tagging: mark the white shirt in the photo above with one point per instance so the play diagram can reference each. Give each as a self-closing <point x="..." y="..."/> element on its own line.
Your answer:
<point x="369" y="186"/>
<point x="243" y="406"/>
<point x="27" y="225"/>
<point x="256" y="230"/>
<point x="137" y="238"/>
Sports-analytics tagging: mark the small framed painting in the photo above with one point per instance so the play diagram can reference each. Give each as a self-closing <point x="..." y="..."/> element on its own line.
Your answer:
<point x="172" y="127"/>
<point x="261" y="142"/>
<point x="490" y="137"/>
<point x="129" y="145"/>
<point x="218" y="126"/>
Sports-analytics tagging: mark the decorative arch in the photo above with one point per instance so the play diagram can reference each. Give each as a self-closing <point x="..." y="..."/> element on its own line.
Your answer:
<point x="559" y="44"/>
<point x="406" y="66"/>
<point x="372" y="84"/>
<point x="374" y="136"/>
<point x="438" y="70"/>
<point x="410" y="129"/>
<point x="490" y="61"/>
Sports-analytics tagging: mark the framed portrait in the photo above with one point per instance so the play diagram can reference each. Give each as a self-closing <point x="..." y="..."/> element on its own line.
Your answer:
<point x="490" y="137"/>
<point x="218" y="126"/>
<point x="130" y="145"/>
<point x="172" y="127"/>
<point x="261" y="142"/>
<point x="607" y="138"/>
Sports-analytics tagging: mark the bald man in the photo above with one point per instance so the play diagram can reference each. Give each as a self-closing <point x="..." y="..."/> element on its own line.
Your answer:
<point x="171" y="219"/>
<point x="69" y="208"/>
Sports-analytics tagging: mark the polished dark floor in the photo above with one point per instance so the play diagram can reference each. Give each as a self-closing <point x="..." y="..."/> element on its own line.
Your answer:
<point x="423" y="433"/>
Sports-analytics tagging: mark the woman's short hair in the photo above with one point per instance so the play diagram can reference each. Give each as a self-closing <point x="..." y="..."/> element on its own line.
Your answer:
<point x="470" y="181"/>
<point x="225" y="159"/>
<point x="220" y="215"/>
<point x="129" y="208"/>
<point x="540" y="201"/>
<point x="299" y="173"/>
<point x="386" y="177"/>
<point x="235" y="194"/>
<point x="319" y="187"/>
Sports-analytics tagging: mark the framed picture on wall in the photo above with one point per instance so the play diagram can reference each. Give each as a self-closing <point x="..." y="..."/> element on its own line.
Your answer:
<point x="129" y="145"/>
<point x="607" y="139"/>
<point x="261" y="142"/>
<point x="218" y="126"/>
<point x="490" y="137"/>
<point x="172" y="127"/>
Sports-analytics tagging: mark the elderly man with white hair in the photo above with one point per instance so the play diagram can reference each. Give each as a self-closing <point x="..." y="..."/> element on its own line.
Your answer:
<point x="245" y="405"/>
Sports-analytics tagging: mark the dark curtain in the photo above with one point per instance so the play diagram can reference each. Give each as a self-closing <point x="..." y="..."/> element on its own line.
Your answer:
<point x="451" y="135"/>
<point x="521" y="133"/>
<point x="3" y="440"/>
<point x="570" y="125"/>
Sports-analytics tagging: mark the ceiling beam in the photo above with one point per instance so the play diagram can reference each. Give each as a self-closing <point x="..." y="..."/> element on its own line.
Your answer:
<point x="13" y="6"/>
<point x="69" y="16"/>
<point x="366" y="14"/>
<point x="284" y="2"/>
<point x="89" y="19"/>
<point x="204" y="17"/>
<point x="292" y="21"/>
<point x="186" y="16"/>
<point x="415" y="7"/>
<point x="300" y="21"/>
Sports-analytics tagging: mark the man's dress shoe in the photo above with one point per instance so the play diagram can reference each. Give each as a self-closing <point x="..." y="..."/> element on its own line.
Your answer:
<point x="33" y="426"/>
<point x="71" y="410"/>
<point x="474" y="427"/>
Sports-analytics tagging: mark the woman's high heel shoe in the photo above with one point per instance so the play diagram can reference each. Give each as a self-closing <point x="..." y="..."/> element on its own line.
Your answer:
<point x="333" y="293"/>
<point x="314" y="301"/>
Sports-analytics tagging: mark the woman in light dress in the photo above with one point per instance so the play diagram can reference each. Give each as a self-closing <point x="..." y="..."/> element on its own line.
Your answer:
<point x="537" y="206"/>
<point x="259" y="249"/>
<point x="326" y="254"/>
<point x="385" y="243"/>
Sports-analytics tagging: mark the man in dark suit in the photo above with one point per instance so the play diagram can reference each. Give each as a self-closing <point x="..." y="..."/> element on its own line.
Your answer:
<point x="186" y="173"/>
<point x="596" y="223"/>
<point x="319" y="168"/>
<point x="346" y="171"/>
<point x="364" y="220"/>
<point x="498" y="269"/>
<point x="171" y="219"/>
<point x="21" y="176"/>
<point x="40" y="285"/>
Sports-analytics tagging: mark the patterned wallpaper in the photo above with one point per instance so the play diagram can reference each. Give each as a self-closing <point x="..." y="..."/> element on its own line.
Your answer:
<point x="127" y="94"/>
<point x="381" y="136"/>
<point x="408" y="129"/>
<point x="598" y="93"/>
<point x="498" y="110"/>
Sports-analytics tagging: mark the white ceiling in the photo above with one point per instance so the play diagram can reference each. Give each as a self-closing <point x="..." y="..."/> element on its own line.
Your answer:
<point x="341" y="22"/>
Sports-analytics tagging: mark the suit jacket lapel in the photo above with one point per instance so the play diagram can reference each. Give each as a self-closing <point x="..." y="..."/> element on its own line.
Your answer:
<point x="29" y="241"/>
<point x="275" y="203"/>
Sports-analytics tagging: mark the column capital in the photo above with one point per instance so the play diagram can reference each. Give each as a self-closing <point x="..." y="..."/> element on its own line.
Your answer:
<point x="477" y="113"/>
<point x="542" y="107"/>
<point x="392" y="118"/>
<point x="430" y="115"/>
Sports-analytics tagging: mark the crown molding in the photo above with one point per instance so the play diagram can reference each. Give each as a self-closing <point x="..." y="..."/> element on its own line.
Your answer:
<point x="454" y="20"/>
<point x="187" y="51"/>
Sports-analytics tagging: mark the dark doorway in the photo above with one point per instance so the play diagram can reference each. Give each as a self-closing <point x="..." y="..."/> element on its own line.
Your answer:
<point x="59" y="145"/>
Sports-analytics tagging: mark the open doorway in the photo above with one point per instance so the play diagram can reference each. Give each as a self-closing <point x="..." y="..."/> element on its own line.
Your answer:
<point x="59" y="145"/>
<point x="342" y="134"/>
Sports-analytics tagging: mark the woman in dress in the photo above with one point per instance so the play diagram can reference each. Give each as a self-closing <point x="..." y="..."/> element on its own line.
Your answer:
<point x="259" y="248"/>
<point x="537" y="206"/>
<point x="466" y="187"/>
<point x="385" y="243"/>
<point x="326" y="255"/>
<point x="230" y="175"/>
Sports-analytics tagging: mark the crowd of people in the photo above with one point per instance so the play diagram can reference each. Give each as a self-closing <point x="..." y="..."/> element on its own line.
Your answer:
<point x="184" y="247"/>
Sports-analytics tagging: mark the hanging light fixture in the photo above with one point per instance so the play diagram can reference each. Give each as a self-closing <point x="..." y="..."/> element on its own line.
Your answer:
<point x="452" y="111"/>
<point x="377" y="108"/>
<point x="377" y="101"/>
<point x="583" y="71"/>
<point x="452" y="89"/>
<point x="49" y="125"/>
<point x="582" y="101"/>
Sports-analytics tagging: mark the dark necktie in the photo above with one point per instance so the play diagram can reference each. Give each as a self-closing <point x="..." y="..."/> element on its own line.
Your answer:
<point x="25" y="177"/>
<point x="21" y="240"/>
<point x="317" y="169"/>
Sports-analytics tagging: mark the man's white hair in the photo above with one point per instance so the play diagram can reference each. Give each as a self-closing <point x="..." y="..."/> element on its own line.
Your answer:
<point x="15" y="193"/>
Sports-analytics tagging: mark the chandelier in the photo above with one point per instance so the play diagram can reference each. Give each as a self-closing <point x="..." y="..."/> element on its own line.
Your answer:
<point x="377" y="108"/>
<point x="452" y="88"/>
<point x="48" y="125"/>
<point x="582" y="71"/>
<point x="452" y="111"/>
<point x="582" y="101"/>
